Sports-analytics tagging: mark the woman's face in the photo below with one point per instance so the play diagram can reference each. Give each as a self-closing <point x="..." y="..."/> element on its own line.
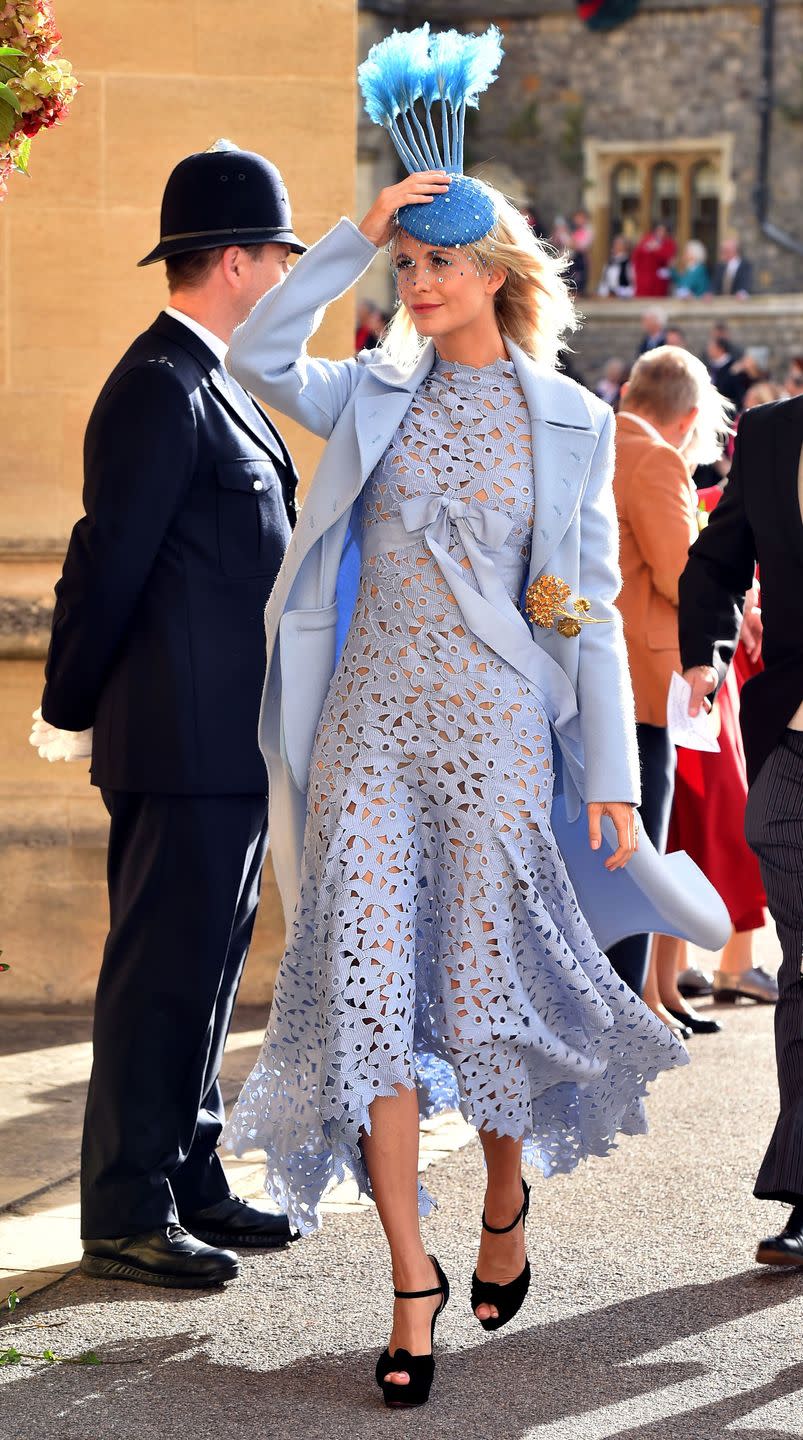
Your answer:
<point x="443" y="289"/>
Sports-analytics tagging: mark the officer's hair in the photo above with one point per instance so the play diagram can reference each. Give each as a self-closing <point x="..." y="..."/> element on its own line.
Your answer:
<point x="190" y="270"/>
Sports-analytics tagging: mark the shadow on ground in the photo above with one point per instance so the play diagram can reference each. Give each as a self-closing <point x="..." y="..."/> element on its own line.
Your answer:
<point x="505" y="1387"/>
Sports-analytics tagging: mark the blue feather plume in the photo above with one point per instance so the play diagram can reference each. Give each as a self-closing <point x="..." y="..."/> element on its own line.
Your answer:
<point x="449" y="68"/>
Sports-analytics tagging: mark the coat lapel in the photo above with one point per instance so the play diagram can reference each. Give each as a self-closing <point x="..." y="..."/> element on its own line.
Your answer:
<point x="787" y="464"/>
<point x="237" y="401"/>
<point x="380" y="406"/>
<point x="242" y="407"/>
<point x="564" y="440"/>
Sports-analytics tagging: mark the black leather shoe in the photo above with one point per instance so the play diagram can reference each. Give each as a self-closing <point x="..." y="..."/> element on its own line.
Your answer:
<point x="234" y="1222"/>
<point x="786" y="1248"/>
<point x="161" y="1257"/>
<point x="694" y="1023"/>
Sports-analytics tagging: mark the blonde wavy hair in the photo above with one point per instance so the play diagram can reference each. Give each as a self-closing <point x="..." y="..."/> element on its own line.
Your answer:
<point x="668" y="382"/>
<point x="534" y="307"/>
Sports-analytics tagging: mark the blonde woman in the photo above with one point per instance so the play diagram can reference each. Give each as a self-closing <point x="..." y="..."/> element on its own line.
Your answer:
<point x="425" y="744"/>
<point x="693" y="278"/>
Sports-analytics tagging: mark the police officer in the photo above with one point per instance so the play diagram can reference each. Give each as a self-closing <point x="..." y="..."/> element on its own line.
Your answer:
<point x="156" y="663"/>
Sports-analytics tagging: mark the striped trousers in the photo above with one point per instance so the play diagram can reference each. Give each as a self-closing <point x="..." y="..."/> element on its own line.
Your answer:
<point x="774" y="830"/>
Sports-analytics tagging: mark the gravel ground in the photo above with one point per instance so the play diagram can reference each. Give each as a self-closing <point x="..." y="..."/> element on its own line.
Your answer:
<point x="647" y="1317"/>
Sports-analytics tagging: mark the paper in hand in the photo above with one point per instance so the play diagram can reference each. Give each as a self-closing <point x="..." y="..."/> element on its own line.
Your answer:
<point x="694" y="732"/>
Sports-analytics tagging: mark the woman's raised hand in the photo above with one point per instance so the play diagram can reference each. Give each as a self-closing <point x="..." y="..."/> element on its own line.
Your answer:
<point x="420" y="188"/>
<point x="623" y="816"/>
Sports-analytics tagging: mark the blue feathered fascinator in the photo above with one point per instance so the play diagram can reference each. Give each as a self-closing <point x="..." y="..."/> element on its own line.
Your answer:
<point x="417" y="69"/>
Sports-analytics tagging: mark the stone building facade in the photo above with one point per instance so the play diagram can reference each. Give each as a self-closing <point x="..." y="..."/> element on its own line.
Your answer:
<point x="658" y="118"/>
<point x="159" y="81"/>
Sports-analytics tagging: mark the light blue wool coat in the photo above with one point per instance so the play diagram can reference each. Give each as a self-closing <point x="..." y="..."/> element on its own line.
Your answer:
<point x="357" y="405"/>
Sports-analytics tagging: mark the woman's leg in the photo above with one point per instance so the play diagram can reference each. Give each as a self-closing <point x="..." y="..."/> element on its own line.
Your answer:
<point x="391" y="1156"/>
<point x="501" y="1258"/>
<point x="658" y="992"/>
<point x="738" y="953"/>
<point x="671" y="956"/>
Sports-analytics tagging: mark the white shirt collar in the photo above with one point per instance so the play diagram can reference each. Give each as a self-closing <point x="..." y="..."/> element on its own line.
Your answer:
<point x="645" y="424"/>
<point x="216" y="345"/>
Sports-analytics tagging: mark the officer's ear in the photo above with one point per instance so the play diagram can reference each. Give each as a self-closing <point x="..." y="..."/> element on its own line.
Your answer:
<point x="233" y="264"/>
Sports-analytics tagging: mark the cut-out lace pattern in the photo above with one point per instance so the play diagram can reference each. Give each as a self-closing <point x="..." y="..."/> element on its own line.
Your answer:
<point x="437" y="940"/>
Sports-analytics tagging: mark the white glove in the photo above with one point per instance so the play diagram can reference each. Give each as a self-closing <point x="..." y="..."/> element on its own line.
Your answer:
<point x="54" y="744"/>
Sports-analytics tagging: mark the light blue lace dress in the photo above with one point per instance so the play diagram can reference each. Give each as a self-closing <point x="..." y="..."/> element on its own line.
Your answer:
<point x="437" y="939"/>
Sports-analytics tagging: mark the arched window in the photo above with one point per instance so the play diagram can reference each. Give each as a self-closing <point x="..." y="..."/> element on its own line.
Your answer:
<point x="665" y="207"/>
<point x="705" y="187"/>
<point x="625" y="201"/>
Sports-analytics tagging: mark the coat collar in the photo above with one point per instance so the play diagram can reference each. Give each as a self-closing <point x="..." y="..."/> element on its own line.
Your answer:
<point x="564" y="435"/>
<point x="236" y="400"/>
<point x="550" y="395"/>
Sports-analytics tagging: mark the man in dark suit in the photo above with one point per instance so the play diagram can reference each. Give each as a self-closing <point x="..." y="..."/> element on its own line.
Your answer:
<point x="733" y="274"/>
<point x="730" y="381"/>
<point x="760" y="520"/>
<point x="158" y="649"/>
<point x="653" y="325"/>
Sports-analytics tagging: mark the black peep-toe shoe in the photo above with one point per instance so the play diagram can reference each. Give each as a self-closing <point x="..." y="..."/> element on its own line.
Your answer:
<point x="507" y="1299"/>
<point x="419" y="1368"/>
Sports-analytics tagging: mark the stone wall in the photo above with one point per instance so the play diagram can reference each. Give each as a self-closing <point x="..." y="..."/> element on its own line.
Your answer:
<point x="771" y="323"/>
<point x="681" y="70"/>
<point x="159" y="81"/>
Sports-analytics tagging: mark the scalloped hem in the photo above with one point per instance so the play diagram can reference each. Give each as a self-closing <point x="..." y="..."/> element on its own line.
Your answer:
<point x="559" y="1137"/>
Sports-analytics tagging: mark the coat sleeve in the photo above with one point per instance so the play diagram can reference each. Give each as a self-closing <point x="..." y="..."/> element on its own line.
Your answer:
<point x="139" y="457"/>
<point x="660" y="514"/>
<point x="268" y="352"/>
<point x="719" y="572"/>
<point x="605" y="692"/>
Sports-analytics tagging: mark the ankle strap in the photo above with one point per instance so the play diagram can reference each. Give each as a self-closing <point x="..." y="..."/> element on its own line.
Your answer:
<point x="417" y="1294"/>
<point x="506" y="1229"/>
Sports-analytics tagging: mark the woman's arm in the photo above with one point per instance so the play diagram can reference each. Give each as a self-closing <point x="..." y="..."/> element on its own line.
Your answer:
<point x="268" y="352"/>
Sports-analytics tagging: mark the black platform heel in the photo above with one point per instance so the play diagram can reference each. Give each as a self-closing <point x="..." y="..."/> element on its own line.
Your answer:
<point x="420" y="1368"/>
<point x="508" y="1299"/>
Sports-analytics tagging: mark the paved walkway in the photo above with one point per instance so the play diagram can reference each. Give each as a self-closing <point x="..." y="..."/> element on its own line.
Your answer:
<point x="647" y="1318"/>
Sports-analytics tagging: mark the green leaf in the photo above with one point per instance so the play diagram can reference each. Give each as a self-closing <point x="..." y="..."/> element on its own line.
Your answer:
<point x="13" y="1298"/>
<point x="7" y="95"/>
<point x="21" y="162"/>
<point x="7" y="121"/>
<point x="10" y="1356"/>
<point x="48" y="1355"/>
<point x="9" y="50"/>
<point x="88" y="1357"/>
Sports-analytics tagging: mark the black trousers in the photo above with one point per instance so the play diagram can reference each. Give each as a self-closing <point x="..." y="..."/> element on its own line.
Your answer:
<point x="184" y="877"/>
<point x="630" y="958"/>
<point x="774" y="829"/>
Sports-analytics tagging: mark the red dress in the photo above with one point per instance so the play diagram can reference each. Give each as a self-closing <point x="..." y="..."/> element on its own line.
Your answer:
<point x="710" y="794"/>
<point x="651" y="260"/>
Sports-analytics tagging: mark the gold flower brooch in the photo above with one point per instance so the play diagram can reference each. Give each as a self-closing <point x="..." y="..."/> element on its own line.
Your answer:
<point x="548" y="602"/>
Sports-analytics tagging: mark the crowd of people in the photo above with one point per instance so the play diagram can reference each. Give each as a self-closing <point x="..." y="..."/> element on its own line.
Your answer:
<point x="651" y="268"/>
<point x="648" y="266"/>
<point x="705" y="803"/>
<point x="741" y="373"/>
